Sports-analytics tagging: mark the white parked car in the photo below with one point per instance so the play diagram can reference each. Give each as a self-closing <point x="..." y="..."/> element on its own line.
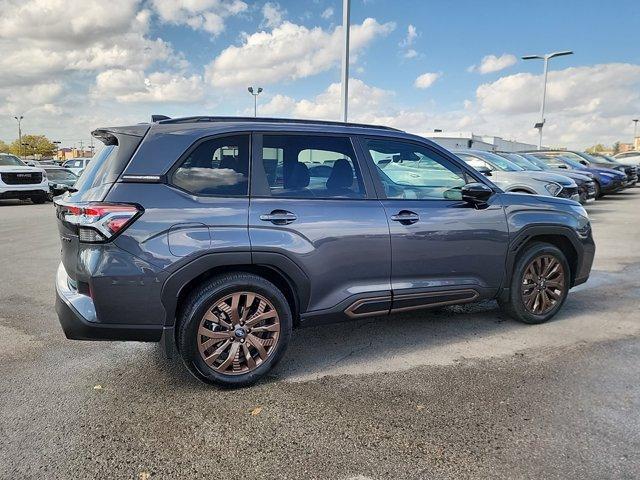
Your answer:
<point x="77" y="165"/>
<point x="629" y="158"/>
<point x="17" y="180"/>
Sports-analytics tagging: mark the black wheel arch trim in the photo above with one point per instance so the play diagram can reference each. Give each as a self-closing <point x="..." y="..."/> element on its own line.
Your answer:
<point x="531" y="231"/>
<point x="282" y="265"/>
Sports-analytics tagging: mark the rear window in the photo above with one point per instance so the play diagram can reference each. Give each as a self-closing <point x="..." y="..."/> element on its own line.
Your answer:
<point x="96" y="173"/>
<point x="105" y="167"/>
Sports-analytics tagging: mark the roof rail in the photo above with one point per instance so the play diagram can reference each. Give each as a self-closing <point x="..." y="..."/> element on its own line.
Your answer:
<point x="199" y="119"/>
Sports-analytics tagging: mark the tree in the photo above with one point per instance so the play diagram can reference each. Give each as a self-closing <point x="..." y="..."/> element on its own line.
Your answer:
<point x="616" y="148"/>
<point x="596" y="148"/>
<point x="4" y="148"/>
<point x="34" y="145"/>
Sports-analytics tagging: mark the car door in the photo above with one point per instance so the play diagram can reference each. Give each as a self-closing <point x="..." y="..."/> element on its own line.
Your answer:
<point x="313" y="209"/>
<point x="444" y="250"/>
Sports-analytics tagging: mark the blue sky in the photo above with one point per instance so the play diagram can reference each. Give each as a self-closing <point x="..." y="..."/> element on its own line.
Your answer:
<point x="119" y="63"/>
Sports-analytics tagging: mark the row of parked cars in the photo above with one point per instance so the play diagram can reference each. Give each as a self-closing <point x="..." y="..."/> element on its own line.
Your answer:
<point x="557" y="173"/>
<point x="37" y="181"/>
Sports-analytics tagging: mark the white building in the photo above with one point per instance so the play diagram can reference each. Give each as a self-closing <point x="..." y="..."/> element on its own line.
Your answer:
<point x="467" y="140"/>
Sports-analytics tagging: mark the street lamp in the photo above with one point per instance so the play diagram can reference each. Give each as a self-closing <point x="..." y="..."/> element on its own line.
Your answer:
<point x="635" y="130"/>
<point x="255" y="94"/>
<point x="19" y="120"/>
<point x="346" y="27"/>
<point x="546" y="59"/>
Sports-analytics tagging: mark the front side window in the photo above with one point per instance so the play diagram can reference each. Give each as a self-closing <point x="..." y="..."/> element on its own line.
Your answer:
<point x="412" y="172"/>
<point x="302" y="166"/>
<point x="219" y="166"/>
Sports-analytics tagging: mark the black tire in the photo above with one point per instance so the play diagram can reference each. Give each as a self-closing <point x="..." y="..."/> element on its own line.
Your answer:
<point x="39" y="199"/>
<point x="208" y="295"/>
<point x="515" y="306"/>
<point x="598" y="190"/>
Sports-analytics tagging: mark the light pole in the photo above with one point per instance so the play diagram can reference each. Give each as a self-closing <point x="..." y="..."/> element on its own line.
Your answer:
<point x="19" y="120"/>
<point x="546" y="59"/>
<point x="635" y="130"/>
<point x="255" y="94"/>
<point x="346" y="26"/>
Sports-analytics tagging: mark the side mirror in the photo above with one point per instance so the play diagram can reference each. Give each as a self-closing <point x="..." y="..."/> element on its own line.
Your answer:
<point x="486" y="171"/>
<point x="476" y="193"/>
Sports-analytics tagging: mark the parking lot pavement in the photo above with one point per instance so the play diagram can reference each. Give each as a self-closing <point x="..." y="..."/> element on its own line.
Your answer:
<point x="453" y="393"/>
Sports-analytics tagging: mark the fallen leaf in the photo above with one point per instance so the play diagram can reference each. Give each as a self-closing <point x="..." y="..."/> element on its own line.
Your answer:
<point x="419" y="407"/>
<point x="145" y="476"/>
<point x="97" y="387"/>
<point x="256" y="411"/>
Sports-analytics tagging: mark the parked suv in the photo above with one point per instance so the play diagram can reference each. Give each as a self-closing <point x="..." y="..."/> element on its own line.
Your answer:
<point x="17" y="180"/>
<point x="219" y="235"/>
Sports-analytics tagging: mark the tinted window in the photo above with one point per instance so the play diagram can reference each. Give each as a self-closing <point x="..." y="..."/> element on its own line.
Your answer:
<point x="409" y="171"/>
<point x="219" y="166"/>
<point x="300" y="166"/>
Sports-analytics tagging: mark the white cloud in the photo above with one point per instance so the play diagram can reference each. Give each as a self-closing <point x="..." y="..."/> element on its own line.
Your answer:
<point x="492" y="63"/>
<point x="327" y="13"/>
<point x="288" y="52"/>
<point x="130" y="86"/>
<point x="426" y="79"/>
<point x="585" y="105"/>
<point x="273" y="14"/>
<point x="412" y="34"/>
<point x="207" y="15"/>
<point x="406" y="43"/>
<point x="326" y="106"/>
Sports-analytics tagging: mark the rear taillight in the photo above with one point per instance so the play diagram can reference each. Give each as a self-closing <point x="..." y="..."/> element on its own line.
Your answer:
<point x="98" y="222"/>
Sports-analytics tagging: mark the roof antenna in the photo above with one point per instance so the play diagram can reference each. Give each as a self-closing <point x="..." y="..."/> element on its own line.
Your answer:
<point x="157" y="118"/>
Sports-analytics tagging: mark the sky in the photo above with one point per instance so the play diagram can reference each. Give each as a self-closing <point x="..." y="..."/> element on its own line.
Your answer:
<point x="70" y="66"/>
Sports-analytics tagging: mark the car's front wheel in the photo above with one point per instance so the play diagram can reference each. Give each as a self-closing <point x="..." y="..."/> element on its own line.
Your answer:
<point x="38" y="199"/>
<point x="234" y="329"/>
<point x="539" y="285"/>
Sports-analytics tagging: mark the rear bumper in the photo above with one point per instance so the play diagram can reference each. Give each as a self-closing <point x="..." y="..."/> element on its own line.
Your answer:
<point x="77" y="317"/>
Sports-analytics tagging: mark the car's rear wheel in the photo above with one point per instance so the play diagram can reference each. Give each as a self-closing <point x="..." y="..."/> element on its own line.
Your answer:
<point x="234" y="329"/>
<point x="539" y="285"/>
<point x="39" y="199"/>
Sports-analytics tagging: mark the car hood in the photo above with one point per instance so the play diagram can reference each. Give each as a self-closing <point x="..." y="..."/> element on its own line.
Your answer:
<point x="609" y="170"/>
<point x="537" y="176"/>
<point x="19" y="169"/>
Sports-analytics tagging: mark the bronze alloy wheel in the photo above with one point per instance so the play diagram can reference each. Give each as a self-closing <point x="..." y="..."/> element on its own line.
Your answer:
<point x="543" y="284"/>
<point x="238" y="333"/>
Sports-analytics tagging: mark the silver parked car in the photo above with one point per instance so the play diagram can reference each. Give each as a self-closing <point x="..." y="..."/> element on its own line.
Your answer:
<point x="513" y="178"/>
<point x="77" y="165"/>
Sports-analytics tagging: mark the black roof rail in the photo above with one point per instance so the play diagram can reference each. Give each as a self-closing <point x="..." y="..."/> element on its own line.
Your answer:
<point x="199" y="119"/>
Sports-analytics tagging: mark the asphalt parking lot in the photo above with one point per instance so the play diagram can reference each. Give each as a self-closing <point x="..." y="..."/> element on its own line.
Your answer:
<point x="452" y="393"/>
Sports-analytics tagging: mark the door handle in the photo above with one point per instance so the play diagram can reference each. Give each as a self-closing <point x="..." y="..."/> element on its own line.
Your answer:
<point x="406" y="217"/>
<point x="279" y="217"/>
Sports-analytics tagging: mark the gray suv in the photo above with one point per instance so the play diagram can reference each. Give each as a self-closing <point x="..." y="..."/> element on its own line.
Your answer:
<point x="218" y="236"/>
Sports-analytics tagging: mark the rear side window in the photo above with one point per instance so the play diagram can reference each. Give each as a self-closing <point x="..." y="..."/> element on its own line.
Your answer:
<point x="219" y="166"/>
<point x="305" y="166"/>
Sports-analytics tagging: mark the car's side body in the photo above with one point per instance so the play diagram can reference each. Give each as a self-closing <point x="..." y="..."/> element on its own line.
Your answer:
<point x="334" y="259"/>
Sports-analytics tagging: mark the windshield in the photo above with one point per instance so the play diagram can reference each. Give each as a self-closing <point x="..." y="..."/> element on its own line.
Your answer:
<point x="573" y="163"/>
<point x="523" y="162"/>
<point x="536" y="161"/>
<point x="10" y="161"/>
<point x="499" y="162"/>
<point x="60" y="174"/>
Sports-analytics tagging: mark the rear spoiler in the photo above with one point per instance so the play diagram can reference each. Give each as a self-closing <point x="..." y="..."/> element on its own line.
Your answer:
<point x="109" y="135"/>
